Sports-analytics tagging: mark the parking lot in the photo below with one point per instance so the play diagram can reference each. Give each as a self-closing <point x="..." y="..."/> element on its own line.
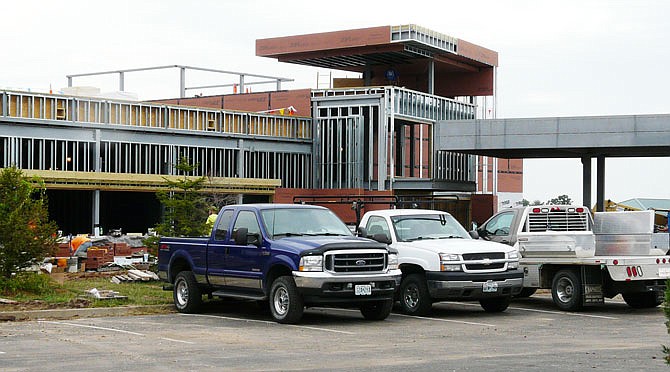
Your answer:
<point x="530" y="335"/>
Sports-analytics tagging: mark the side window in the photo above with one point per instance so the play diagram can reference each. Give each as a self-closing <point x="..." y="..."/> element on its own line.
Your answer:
<point x="247" y="219"/>
<point x="500" y="225"/>
<point x="377" y="225"/>
<point x="224" y="224"/>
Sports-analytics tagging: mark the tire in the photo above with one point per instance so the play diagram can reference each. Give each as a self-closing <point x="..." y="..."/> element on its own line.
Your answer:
<point x="495" y="305"/>
<point x="286" y="304"/>
<point x="377" y="310"/>
<point x="642" y="300"/>
<point x="186" y="294"/>
<point x="566" y="290"/>
<point x="526" y="292"/>
<point x="414" y="296"/>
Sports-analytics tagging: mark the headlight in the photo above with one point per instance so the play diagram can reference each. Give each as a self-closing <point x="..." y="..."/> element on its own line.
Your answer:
<point x="449" y="257"/>
<point x="513" y="255"/>
<point x="450" y="262"/>
<point x="393" y="261"/>
<point x="311" y="263"/>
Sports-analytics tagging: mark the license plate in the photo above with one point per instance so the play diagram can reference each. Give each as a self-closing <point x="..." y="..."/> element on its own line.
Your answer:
<point x="363" y="290"/>
<point x="664" y="272"/>
<point x="490" y="287"/>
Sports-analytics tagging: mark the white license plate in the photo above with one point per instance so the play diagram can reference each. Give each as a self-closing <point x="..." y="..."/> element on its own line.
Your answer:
<point x="664" y="272"/>
<point x="490" y="287"/>
<point x="363" y="290"/>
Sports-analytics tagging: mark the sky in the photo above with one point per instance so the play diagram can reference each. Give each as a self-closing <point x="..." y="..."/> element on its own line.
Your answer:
<point x="556" y="58"/>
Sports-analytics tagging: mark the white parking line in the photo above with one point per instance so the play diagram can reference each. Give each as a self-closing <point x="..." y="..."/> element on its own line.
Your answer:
<point x="268" y="322"/>
<point x="173" y="340"/>
<point x="94" y="327"/>
<point x="109" y="329"/>
<point x="543" y="311"/>
<point x="420" y="317"/>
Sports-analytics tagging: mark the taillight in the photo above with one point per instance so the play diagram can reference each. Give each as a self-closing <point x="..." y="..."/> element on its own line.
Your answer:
<point x="634" y="271"/>
<point x="664" y="260"/>
<point x="536" y="210"/>
<point x="658" y="260"/>
<point x="555" y="209"/>
<point x="629" y="272"/>
<point x="579" y="210"/>
<point x="616" y="262"/>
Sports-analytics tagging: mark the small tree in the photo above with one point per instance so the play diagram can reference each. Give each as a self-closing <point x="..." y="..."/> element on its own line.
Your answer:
<point x="525" y="202"/>
<point x="560" y="200"/>
<point x="536" y="202"/>
<point x="185" y="206"/>
<point x="26" y="234"/>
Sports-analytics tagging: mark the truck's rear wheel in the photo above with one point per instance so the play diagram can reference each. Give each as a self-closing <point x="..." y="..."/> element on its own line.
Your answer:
<point x="377" y="310"/>
<point x="566" y="290"/>
<point x="642" y="300"/>
<point x="414" y="296"/>
<point x="187" y="295"/>
<point x="495" y="305"/>
<point x="286" y="304"/>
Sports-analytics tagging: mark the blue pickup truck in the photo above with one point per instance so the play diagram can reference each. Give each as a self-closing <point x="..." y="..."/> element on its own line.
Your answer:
<point x="288" y="255"/>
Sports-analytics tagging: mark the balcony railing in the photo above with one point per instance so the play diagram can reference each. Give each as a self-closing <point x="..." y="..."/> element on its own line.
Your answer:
<point x="35" y="106"/>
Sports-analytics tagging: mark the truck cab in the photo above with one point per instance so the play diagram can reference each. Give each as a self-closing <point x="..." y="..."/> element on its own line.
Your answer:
<point x="439" y="260"/>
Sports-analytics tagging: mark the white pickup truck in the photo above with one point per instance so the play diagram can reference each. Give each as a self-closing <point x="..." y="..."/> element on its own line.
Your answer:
<point x="439" y="260"/>
<point x="583" y="260"/>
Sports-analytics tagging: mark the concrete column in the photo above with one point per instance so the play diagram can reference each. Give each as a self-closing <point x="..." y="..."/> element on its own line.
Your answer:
<point x="96" y="213"/>
<point x="240" y="159"/>
<point x="600" y="184"/>
<point x="586" y="181"/>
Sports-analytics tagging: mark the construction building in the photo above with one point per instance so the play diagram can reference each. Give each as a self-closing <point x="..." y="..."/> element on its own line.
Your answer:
<point x="102" y="158"/>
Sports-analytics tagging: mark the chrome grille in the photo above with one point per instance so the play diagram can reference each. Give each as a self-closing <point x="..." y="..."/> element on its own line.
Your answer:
<point x="481" y="256"/>
<point x="557" y="221"/>
<point x="350" y="262"/>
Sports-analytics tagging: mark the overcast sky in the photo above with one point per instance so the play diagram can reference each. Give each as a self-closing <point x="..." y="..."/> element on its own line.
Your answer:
<point x="557" y="58"/>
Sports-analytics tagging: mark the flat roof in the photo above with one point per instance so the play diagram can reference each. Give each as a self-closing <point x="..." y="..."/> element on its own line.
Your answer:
<point x="352" y="50"/>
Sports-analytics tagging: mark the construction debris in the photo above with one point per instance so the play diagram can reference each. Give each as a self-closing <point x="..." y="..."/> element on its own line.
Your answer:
<point x="8" y="302"/>
<point x="135" y="275"/>
<point x="103" y="294"/>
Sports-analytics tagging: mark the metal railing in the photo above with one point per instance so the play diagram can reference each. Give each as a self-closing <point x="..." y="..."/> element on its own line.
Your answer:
<point x="35" y="106"/>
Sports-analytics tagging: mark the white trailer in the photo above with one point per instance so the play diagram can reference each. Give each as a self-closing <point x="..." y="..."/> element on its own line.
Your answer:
<point x="584" y="260"/>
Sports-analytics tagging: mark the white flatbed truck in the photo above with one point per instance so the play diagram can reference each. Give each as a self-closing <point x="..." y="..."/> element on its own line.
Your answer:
<point x="584" y="260"/>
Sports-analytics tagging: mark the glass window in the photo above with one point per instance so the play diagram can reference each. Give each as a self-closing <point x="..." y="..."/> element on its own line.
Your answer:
<point x="247" y="219"/>
<point x="428" y="226"/>
<point x="500" y="224"/>
<point x="224" y="223"/>
<point x="377" y="225"/>
<point x="283" y="222"/>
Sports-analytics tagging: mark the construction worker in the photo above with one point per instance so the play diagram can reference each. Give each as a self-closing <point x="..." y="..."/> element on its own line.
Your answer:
<point x="80" y="245"/>
<point x="213" y="214"/>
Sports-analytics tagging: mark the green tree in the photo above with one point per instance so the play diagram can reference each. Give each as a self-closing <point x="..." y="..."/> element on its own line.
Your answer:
<point x="185" y="206"/>
<point x="560" y="200"/>
<point x="525" y="202"/>
<point x="536" y="202"/>
<point x="26" y="234"/>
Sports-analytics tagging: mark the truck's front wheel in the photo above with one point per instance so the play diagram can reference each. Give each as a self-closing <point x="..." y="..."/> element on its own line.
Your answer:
<point x="414" y="296"/>
<point x="566" y="290"/>
<point x="286" y="304"/>
<point x="495" y="305"/>
<point x="642" y="300"/>
<point x="187" y="295"/>
<point x="378" y="310"/>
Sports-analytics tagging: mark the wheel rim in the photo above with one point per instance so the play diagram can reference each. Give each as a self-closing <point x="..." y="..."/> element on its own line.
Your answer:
<point x="411" y="296"/>
<point x="565" y="289"/>
<point x="281" y="301"/>
<point x="182" y="293"/>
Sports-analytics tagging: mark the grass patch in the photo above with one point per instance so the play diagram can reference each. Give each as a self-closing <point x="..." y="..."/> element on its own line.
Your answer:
<point x="40" y="291"/>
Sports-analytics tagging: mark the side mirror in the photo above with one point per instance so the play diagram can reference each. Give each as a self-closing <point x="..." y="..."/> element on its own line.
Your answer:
<point x="382" y="238"/>
<point x="362" y="231"/>
<point x="254" y="239"/>
<point x="474" y="234"/>
<point x="481" y="232"/>
<point x="242" y="236"/>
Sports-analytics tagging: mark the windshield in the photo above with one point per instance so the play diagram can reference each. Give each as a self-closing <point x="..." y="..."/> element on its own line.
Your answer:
<point x="428" y="226"/>
<point x="281" y="223"/>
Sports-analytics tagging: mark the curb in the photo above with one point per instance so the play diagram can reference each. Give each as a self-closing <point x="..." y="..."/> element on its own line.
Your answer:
<point x="89" y="312"/>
